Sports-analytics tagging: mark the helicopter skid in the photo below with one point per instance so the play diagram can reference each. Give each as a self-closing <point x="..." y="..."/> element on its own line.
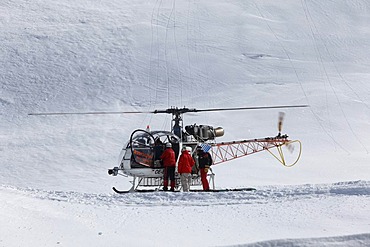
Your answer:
<point x="225" y="190"/>
<point x="131" y="191"/>
<point x="156" y="190"/>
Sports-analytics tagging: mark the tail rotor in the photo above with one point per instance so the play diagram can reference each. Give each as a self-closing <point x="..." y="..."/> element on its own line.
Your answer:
<point x="280" y="123"/>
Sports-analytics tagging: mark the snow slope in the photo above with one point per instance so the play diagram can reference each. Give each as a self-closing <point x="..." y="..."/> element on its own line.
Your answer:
<point x="190" y="219"/>
<point x="90" y="55"/>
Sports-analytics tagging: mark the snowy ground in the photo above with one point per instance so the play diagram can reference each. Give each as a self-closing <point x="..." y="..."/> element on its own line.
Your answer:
<point x="143" y="55"/>
<point x="49" y="218"/>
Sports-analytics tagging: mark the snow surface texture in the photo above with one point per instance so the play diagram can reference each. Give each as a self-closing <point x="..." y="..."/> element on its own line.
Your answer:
<point x="90" y="55"/>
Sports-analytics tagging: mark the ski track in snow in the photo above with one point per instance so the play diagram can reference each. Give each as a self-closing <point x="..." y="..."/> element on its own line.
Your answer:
<point x="349" y="240"/>
<point x="267" y="194"/>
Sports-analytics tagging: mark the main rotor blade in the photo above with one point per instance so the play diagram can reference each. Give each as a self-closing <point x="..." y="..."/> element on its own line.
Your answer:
<point x="88" y="113"/>
<point x="173" y="111"/>
<point x="251" y="108"/>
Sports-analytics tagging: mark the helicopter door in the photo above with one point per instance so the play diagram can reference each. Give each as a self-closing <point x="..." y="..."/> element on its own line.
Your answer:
<point x="142" y="149"/>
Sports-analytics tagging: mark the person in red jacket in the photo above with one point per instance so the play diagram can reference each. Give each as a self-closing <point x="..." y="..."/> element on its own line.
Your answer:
<point x="186" y="163"/>
<point x="204" y="162"/>
<point x="169" y="163"/>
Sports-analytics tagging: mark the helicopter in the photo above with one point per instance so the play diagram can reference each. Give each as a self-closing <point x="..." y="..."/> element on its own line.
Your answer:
<point x="140" y="160"/>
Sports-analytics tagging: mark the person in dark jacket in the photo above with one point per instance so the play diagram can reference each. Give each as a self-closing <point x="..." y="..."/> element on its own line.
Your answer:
<point x="169" y="163"/>
<point x="204" y="162"/>
<point x="158" y="151"/>
<point x="186" y="163"/>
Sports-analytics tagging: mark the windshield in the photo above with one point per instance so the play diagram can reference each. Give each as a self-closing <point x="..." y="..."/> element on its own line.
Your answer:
<point x="147" y="147"/>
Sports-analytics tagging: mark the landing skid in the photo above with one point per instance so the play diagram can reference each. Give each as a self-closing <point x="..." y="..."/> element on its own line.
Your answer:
<point x="225" y="190"/>
<point x="156" y="185"/>
<point x="131" y="191"/>
<point x="213" y="190"/>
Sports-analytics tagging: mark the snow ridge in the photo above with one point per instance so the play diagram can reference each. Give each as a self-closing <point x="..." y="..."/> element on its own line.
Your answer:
<point x="263" y="195"/>
<point x="349" y="240"/>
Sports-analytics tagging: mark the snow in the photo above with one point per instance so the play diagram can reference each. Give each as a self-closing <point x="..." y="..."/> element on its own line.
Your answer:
<point x="144" y="55"/>
<point x="273" y="212"/>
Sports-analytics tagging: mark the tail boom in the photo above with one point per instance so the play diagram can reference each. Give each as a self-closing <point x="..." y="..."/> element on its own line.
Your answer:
<point x="226" y="151"/>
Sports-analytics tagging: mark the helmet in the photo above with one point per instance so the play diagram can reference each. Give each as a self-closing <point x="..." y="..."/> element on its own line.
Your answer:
<point x="168" y="145"/>
<point x="199" y="147"/>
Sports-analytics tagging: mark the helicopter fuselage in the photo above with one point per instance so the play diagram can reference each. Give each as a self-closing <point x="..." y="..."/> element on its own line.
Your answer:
<point x="140" y="157"/>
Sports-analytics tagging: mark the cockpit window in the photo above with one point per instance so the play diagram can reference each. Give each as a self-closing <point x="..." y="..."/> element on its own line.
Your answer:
<point x="146" y="146"/>
<point x="141" y="144"/>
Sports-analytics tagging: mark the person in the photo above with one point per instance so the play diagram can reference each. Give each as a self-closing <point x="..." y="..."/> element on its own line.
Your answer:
<point x="186" y="163"/>
<point x="169" y="163"/>
<point x="204" y="162"/>
<point x="158" y="150"/>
